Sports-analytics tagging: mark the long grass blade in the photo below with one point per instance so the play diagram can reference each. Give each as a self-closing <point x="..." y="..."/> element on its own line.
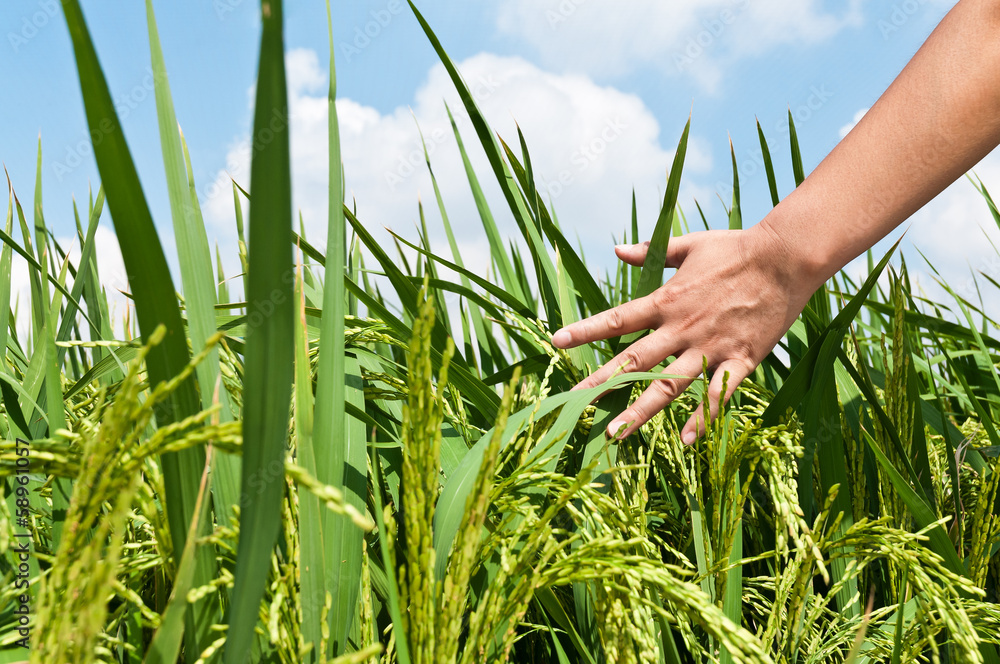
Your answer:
<point x="195" y="262"/>
<point x="340" y="452"/>
<point x="155" y="304"/>
<point x="269" y="343"/>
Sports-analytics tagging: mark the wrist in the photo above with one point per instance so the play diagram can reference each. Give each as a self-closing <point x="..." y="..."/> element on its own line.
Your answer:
<point x="791" y="242"/>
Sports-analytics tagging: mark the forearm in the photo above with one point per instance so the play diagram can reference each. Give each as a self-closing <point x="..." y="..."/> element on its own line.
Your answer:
<point x="936" y="121"/>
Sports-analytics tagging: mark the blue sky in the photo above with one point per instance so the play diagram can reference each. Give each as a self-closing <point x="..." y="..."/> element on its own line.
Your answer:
<point x="602" y="90"/>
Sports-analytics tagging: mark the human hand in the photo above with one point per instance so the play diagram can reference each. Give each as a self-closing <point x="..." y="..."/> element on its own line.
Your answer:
<point x="734" y="295"/>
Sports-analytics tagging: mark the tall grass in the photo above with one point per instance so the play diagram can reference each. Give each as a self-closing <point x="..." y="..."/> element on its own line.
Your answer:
<point x="317" y="474"/>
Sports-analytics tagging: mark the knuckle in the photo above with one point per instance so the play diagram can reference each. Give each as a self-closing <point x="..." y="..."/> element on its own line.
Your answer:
<point x="737" y="368"/>
<point x="639" y="414"/>
<point x="645" y="409"/>
<point x="631" y="360"/>
<point x="664" y="296"/>
<point x="666" y="388"/>
<point x="616" y="320"/>
<point x="743" y="352"/>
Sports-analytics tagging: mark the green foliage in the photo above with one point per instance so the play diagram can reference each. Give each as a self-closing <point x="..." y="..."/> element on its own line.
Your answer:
<point x="437" y="494"/>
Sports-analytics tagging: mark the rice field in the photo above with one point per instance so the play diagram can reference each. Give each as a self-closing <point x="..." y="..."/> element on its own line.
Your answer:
<point x="336" y="466"/>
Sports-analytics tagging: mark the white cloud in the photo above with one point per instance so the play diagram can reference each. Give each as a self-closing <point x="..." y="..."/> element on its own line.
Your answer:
<point x="697" y="37"/>
<point x="303" y="71"/>
<point x="602" y="142"/>
<point x="846" y="129"/>
<point x="110" y="267"/>
<point x="959" y="236"/>
<point x="590" y="145"/>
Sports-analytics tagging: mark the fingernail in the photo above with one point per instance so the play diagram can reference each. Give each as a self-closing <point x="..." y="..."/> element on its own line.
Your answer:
<point x="560" y="338"/>
<point x="614" y="427"/>
<point x="689" y="437"/>
<point x="620" y="246"/>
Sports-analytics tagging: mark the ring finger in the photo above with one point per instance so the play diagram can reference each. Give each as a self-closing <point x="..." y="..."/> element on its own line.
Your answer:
<point x="659" y="394"/>
<point x="642" y="355"/>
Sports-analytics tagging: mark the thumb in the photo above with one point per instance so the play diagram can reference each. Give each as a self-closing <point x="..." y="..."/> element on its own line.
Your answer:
<point x="677" y="250"/>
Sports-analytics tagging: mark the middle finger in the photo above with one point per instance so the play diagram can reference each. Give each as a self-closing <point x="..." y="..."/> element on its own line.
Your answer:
<point x="642" y="355"/>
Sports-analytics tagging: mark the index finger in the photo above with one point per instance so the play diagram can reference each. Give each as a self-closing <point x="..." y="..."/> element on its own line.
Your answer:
<point x="626" y="318"/>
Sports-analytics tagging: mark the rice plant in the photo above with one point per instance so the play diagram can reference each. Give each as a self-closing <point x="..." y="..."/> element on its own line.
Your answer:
<point x="337" y="468"/>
